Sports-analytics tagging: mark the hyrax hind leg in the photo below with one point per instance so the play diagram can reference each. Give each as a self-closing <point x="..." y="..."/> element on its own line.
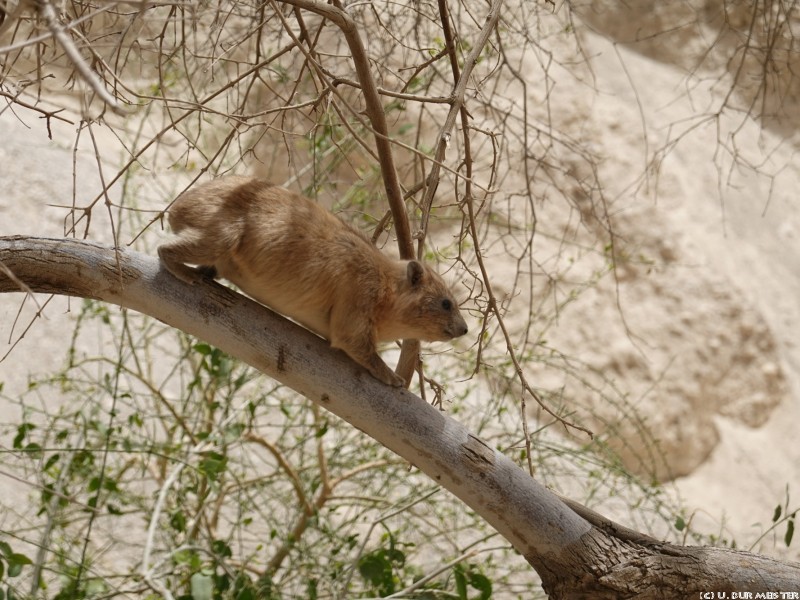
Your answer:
<point x="350" y="334"/>
<point x="191" y="247"/>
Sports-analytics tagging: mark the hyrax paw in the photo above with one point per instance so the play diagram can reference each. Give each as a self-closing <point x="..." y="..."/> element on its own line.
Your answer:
<point x="378" y="369"/>
<point x="192" y="275"/>
<point x="388" y="377"/>
<point x="396" y="381"/>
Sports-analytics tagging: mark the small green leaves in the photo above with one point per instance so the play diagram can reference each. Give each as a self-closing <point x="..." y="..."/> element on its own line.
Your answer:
<point x="202" y="585"/>
<point x="377" y="569"/>
<point x="680" y="523"/>
<point x="777" y="514"/>
<point x="468" y="576"/>
<point x="11" y="563"/>
<point x="212" y="465"/>
<point x="22" y="431"/>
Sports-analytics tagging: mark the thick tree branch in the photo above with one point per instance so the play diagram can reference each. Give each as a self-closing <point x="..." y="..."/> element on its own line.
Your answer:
<point x="576" y="556"/>
<point x="399" y="420"/>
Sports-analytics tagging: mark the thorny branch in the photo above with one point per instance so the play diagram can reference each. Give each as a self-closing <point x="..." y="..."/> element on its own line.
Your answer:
<point x="48" y="14"/>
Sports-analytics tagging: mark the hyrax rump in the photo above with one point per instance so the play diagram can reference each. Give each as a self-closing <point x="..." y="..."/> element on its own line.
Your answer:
<point x="294" y="256"/>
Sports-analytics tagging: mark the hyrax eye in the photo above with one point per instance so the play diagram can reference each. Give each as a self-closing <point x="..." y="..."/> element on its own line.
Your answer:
<point x="447" y="305"/>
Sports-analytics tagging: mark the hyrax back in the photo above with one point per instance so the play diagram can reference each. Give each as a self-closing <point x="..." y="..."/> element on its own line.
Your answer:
<point x="294" y="256"/>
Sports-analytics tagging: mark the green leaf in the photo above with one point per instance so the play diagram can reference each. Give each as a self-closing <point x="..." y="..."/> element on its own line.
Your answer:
<point x="680" y="524"/>
<point x="178" y="521"/>
<point x="202" y="586"/>
<point x="311" y="589"/>
<point x="20" y="559"/>
<point x="186" y="557"/>
<point x="22" y="431"/>
<point x="202" y="348"/>
<point x="393" y="555"/>
<point x="481" y="583"/>
<point x="221" y="548"/>
<point x="789" y="532"/>
<point x="777" y="514"/>
<point x="47" y="494"/>
<point x="95" y="587"/>
<point x="16" y="562"/>
<point x="213" y="465"/>
<point x="33" y="448"/>
<point x="240" y="381"/>
<point x="461" y="582"/>
<point x="372" y="567"/>
<point x="51" y="461"/>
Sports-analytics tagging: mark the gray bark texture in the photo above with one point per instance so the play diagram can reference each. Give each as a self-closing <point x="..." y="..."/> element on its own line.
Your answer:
<point x="576" y="552"/>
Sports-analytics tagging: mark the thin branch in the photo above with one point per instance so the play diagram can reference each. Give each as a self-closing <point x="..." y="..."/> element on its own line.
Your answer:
<point x="293" y="476"/>
<point x="375" y="113"/>
<point x="409" y="355"/>
<point x="46" y="114"/>
<point x="445" y="132"/>
<point x="48" y="13"/>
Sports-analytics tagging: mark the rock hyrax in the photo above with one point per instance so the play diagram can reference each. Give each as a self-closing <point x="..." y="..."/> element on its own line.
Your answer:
<point x="294" y="256"/>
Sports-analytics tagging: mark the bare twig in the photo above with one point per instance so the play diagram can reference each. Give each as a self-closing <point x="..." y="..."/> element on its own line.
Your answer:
<point x="46" y="114"/>
<point x="48" y="13"/>
<point x="375" y="113"/>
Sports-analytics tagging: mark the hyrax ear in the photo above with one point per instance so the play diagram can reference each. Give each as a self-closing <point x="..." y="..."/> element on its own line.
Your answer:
<point x="415" y="272"/>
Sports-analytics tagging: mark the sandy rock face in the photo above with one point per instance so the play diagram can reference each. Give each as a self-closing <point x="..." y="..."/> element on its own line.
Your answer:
<point x="690" y="334"/>
<point x="759" y="63"/>
<point x="687" y="348"/>
<point x="662" y="346"/>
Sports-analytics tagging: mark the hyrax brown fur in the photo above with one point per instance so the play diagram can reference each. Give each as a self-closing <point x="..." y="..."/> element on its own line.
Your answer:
<point x="294" y="256"/>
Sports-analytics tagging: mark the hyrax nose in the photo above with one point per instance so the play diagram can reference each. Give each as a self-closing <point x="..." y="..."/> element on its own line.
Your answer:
<point x="460" y="328"/>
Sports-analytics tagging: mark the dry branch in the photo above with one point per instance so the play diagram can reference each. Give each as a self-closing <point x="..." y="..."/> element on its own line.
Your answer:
<point x="409" y="356"/>
<point x="48" y="14"/>
<point x="375" y="113"/>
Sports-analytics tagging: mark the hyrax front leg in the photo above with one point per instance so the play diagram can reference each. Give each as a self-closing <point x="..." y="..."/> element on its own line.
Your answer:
<point x="191" y="247"/>
<point x="381" y="371"/>
<point x="347" y="334"/>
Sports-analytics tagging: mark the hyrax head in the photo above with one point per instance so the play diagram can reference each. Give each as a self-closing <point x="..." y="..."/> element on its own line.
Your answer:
<point x="427" y="306"/>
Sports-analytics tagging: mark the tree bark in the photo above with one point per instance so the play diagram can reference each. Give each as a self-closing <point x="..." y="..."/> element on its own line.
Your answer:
<point x="576" y="552"/>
